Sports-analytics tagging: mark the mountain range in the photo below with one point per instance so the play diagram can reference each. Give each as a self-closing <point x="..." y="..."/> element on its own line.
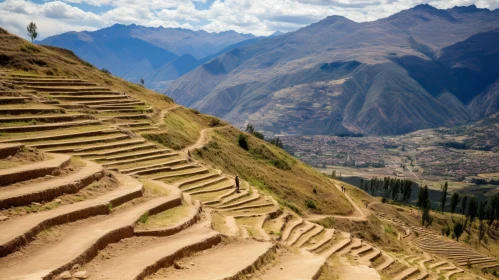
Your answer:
<point x="420" y="68"/>
<point x="158" y="55"/>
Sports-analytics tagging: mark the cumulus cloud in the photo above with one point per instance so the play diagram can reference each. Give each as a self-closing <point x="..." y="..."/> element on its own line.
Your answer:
<point x="260" y="17"/>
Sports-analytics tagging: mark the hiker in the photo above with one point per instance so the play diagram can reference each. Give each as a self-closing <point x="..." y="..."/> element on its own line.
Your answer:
<point x="237" y="184"/>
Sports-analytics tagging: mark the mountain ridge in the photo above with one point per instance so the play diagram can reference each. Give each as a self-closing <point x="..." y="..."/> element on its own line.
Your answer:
<point x="413" y="42"/>
<point x="153" y="48"/>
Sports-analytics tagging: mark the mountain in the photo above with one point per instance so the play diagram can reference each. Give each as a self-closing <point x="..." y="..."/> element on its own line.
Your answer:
<point x="487" y="103"/>
<point x="416" y="69"/>
<point x="134" y="52"/>
<point x="162" y="77"/>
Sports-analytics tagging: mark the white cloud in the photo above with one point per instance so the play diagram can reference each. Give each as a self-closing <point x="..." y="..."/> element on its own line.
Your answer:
<point x="260" y="17"/>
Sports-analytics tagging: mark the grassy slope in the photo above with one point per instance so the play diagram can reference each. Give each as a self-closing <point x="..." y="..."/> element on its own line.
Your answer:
<point x="182" y="127"/>
<point x="259" y="166"/>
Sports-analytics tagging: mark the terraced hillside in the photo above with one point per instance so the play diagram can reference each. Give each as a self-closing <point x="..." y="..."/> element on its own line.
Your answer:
<point x="86" y="193"/>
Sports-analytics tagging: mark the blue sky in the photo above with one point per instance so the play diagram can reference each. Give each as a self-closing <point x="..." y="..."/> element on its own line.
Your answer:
<point x="259" y="17"/>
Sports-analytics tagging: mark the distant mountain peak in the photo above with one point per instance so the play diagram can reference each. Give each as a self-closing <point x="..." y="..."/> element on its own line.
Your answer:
<point x="424" y="7"/>
<point x="468" y="9"/>
<point x="335" y="18"/>
<point x="277" y="33"/>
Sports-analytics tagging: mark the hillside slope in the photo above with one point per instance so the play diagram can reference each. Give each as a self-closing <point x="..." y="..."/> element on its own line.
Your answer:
<point x="487" y="103"/>
<point x="391" y="76"/>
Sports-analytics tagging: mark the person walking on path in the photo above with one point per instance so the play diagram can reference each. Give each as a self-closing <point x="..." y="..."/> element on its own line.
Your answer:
<point x="237" y="184"/>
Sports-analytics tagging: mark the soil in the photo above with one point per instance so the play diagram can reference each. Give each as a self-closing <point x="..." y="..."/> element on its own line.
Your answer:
<point x="23" y="156"/>
<point x="97" y="188"/>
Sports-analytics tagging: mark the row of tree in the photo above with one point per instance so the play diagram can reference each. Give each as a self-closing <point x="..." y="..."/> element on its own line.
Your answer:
<point x="487" y="212"/>
<point x="392" y="188"/>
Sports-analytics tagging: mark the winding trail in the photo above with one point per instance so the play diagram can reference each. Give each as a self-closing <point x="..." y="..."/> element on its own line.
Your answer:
<point x="358" y="215"/>
<point x="163" y="112"/>
<point x="203" y="138"/>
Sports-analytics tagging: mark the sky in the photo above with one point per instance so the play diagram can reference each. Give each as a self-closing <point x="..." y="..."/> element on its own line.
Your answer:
<point x="259" y="17"/>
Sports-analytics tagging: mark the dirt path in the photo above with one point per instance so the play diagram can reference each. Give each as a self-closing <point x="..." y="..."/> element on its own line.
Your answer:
<point x="358" y="215"/>
<point x="133" y="257"/>
<point x="303" y="265"/>
<point x="228" y="259"/>
<point x="163" y="113"/>
<point x="348" y="271"/>
<point x="203" y="138"/>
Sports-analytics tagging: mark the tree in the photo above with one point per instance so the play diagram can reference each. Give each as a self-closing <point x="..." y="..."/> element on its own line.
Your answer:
<point x="423" y="197"/>
<point x="276" y="142"/>
<point x="458" y="230"/>
<point x="333" y="175"/>
<point x="443" y="196"/>
<point x="424" y="203"/>
<point x="426" y="218"/>
<point x="395" y="190"/>
<point x="472" y="210"/>
<point x="386" y="186"/>
<point x="454" y="201"/>
<point x="243" y="141"/>
<point x="250" y="128"/>
<point x="32" y="33"/>
<point x="464" y="202"/>
<point x="407" y="191"/>
<point x="495" y="209"/>
<point x="482" y="228"/>
<point x="142" y="82"/>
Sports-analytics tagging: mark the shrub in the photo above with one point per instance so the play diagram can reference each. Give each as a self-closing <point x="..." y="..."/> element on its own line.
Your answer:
<point x="291" y="206"/>
<point x="213" y="145"/>
<point x="243" y="141"/>
<point x="104" y="70"/>
<point x="458" y="230"/>
<point x="281" y="164"/>
<point x="87" y="64"/>
<point x="259" y="135"/>
<point x="214" y="122"/>
<point x="445" y="231"/>
<point x="310" y="204"/>
<point x="194" y="111"/>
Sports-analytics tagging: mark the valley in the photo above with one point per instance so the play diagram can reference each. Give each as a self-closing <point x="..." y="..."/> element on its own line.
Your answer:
<point x="466" y="156"/>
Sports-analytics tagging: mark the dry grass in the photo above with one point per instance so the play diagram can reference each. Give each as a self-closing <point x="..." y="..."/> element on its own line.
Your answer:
<point x="374" y="230"/>
<point x="290" y="187"/>
<point x="165" y="218"/>
<point x="209" y="196"/>
<point x="153" y="189"/>
<point x="218" y="222"/>
<point x="181" y="128"/>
